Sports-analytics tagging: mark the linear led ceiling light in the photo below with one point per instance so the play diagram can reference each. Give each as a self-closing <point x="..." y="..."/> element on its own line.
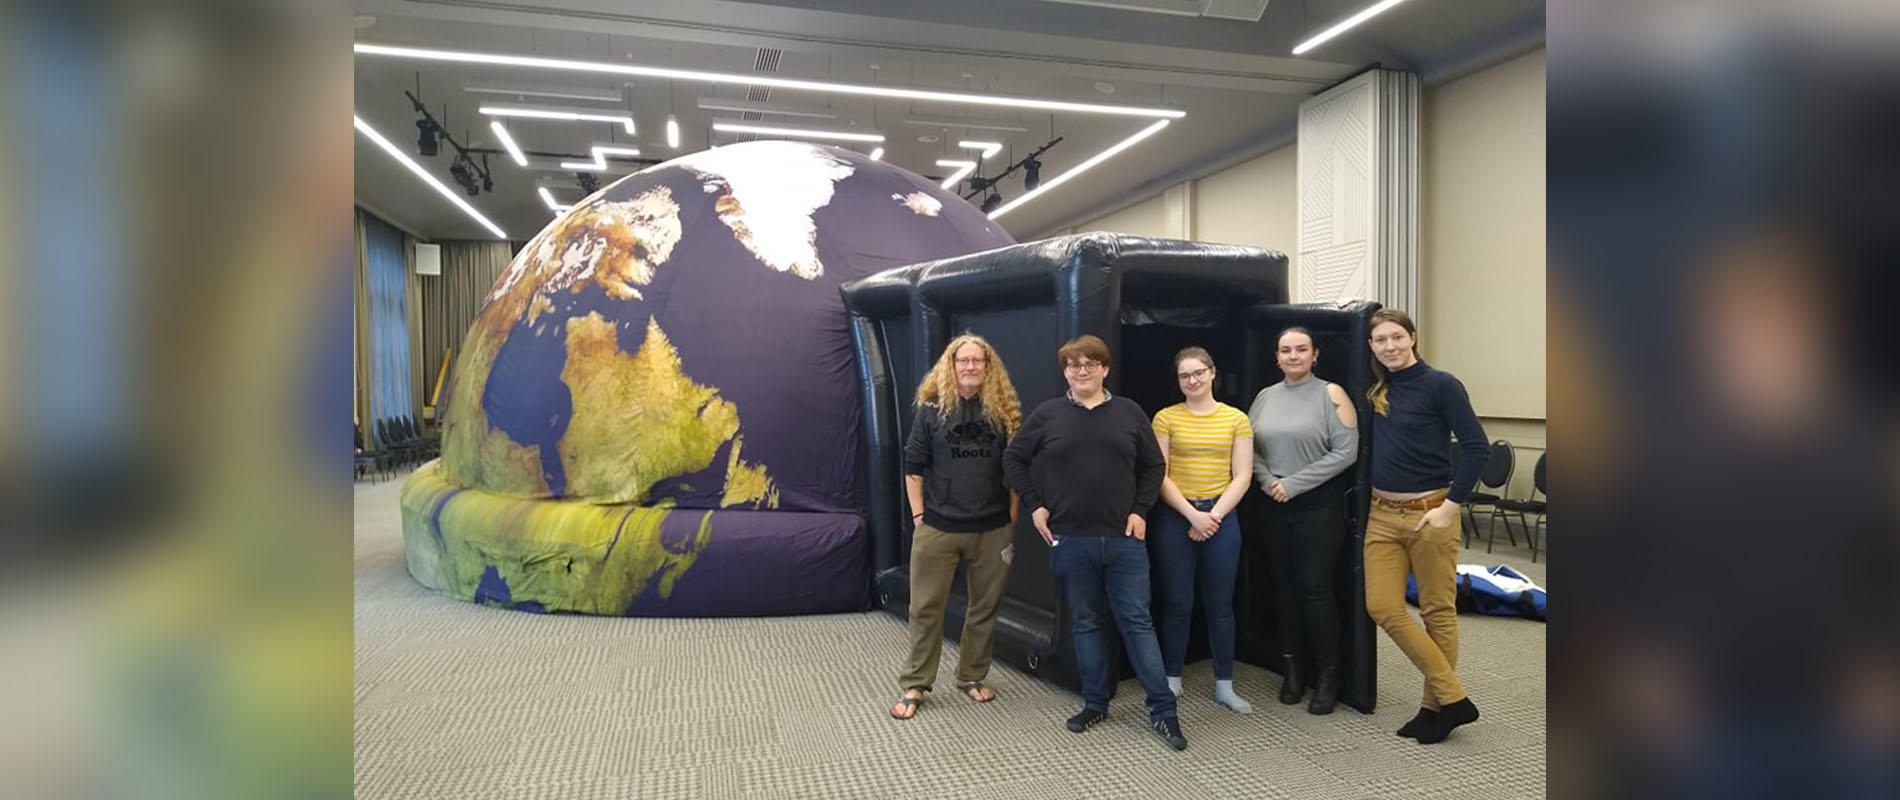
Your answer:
<point x="721" y="104"/>
<point x="599" y="164"/>
<point x="672" y="132"/>
<point x="1344" y="25"/>
<point x="877" y="154"/>
<point x="396" y="153"/>
<point x="964" y="168"/>
<point x="1080" y="168"/>
<point x="802" y="133"/>
<point x="564" y="115"/>
<point x="508" y="143"/>
<point x="561" y="93"/>
<point x="548" y="197"/>
<point x="962" y="122"/>
<point x="756" y="79"/>
<point x="988" y="148"/>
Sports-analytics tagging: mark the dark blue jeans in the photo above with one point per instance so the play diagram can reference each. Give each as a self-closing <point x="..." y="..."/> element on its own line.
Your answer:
<point x="1101" y="575"/>
<point x="1182" y="561"/>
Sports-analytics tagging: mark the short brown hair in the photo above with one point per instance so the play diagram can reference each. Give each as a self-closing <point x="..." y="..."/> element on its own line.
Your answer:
<point x="1087" y="346"/>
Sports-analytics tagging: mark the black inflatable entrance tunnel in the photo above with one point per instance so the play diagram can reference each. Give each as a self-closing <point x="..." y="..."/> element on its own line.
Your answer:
<point x="1147" y="298"/>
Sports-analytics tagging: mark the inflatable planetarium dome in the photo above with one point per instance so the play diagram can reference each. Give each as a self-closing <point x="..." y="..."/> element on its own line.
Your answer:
<point x="656" y="411"/>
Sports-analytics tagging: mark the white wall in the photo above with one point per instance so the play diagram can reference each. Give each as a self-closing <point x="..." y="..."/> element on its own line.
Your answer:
<point x="1146" y="218"/>
<point x="1481" y="238"/>
<point x="1255" y="202"/>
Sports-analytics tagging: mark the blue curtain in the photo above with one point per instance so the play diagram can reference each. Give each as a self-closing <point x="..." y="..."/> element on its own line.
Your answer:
<point x="388" y="320"/>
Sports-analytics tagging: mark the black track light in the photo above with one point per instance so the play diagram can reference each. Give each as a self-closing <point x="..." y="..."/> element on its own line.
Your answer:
<point x="464" y="174"/>
<point x="589" y="183"/>
<point x="991" y="202"/>
<point x="1032" y="173"/>
<point x="426" y="131"/>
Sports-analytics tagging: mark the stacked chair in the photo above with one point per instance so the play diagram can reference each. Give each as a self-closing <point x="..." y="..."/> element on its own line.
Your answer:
<point x="402" y="437"/>
<point x="370" y="461"/>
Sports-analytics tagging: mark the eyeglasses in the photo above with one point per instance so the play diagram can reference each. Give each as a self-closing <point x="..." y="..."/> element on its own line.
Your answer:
<point x="972" y="362"/>
<point x="1195" y="375"/>
<point x="1081" y="366"/>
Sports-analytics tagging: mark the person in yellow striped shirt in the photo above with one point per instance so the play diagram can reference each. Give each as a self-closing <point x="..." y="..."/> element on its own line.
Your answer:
<point x="1209" y="448"/>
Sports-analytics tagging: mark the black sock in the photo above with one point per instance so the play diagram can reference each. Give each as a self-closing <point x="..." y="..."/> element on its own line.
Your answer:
<point x="1449" y="717"/>
<point x="1410" y="729"/>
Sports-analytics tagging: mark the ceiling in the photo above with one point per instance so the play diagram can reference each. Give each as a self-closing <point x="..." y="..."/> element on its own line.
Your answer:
<point x="1234" y="79"/>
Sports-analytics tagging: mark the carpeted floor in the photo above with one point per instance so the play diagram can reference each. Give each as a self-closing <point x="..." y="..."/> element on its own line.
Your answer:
<point x="457" y="700"/>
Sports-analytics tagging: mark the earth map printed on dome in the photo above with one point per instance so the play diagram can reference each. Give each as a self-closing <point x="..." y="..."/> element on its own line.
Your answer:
<point x="677" y="339"/>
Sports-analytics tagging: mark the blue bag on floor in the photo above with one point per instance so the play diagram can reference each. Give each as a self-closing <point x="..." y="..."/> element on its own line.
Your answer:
<point x="1493" y="591"/>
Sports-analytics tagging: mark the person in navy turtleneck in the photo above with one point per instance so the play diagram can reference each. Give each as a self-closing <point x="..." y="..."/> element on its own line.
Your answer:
<point x="1412" y="527"/>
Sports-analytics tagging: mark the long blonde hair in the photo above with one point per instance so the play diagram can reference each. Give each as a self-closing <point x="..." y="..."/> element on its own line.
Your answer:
<point x="939" y="388"/>
<point x="1381" y="375"/>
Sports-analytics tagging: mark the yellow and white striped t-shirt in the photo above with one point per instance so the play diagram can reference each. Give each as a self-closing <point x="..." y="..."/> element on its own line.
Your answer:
<point x="1201" y="446"/>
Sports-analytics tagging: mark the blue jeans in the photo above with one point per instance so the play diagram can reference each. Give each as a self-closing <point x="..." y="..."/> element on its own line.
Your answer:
<point x="1100" y="575"/>
<point x="1180" y="560"/>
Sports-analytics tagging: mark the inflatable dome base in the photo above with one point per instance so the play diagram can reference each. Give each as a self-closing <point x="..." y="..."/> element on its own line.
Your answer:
<point x="626" y="560"/>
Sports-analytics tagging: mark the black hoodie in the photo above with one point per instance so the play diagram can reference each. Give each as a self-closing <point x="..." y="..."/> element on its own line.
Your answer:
<point x="961" y="460"/>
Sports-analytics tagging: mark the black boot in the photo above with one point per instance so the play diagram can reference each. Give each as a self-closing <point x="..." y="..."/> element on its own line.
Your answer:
<point x="1325" y="692"/>
<point x="1293" y="683"/>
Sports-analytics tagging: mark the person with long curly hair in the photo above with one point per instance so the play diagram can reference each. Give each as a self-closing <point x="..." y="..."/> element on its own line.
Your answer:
<point x="1412" y="527"/>
<point x="961" y="512"/>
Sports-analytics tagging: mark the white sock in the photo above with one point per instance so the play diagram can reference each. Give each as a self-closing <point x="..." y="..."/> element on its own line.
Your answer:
<point x="1224" y="694"/>
<point x="1174" y="682"/>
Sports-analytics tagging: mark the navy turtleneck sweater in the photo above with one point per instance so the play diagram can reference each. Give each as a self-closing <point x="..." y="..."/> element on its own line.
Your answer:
<point x="1410" y="442"/>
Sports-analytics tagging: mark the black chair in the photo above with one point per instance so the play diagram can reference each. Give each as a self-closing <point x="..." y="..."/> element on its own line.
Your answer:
<point x="1531" y="505"/>
<point x="431" y="445"/>
<point x="368" y="461"/>
<point x="1496" y="475"/>
<point x="405" y="449"/>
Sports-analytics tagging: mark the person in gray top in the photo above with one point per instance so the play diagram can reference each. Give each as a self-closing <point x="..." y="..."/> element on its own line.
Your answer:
<point x="1305" y="435"/>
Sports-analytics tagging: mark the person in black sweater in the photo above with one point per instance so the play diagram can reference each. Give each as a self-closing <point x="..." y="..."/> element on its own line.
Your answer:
<point x="1088" y="466"/>
<point x="953" y="477"/>
<point x="1412" y="527"/>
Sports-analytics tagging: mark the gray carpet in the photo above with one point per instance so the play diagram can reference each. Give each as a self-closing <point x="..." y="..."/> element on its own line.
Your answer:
<point x="457" y="700"/>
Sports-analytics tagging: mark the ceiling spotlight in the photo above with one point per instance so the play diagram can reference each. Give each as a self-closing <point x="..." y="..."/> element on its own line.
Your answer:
<point x="991" y="202"/>
<point x="464" y="176"/>
<point x="877" y="154"/>
<point x="589" y="182"/>
<point x="425" y="137"/>
<point x="672" y="132"/>
<point x="1032" y="173"/>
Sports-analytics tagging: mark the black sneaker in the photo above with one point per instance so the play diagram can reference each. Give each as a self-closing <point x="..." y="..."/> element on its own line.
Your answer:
<point x="1084" y="720"/>
<point x="1168" y="729"/>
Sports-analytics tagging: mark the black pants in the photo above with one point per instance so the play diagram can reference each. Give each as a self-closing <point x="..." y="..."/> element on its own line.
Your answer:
<point x="1303" y="546"/>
